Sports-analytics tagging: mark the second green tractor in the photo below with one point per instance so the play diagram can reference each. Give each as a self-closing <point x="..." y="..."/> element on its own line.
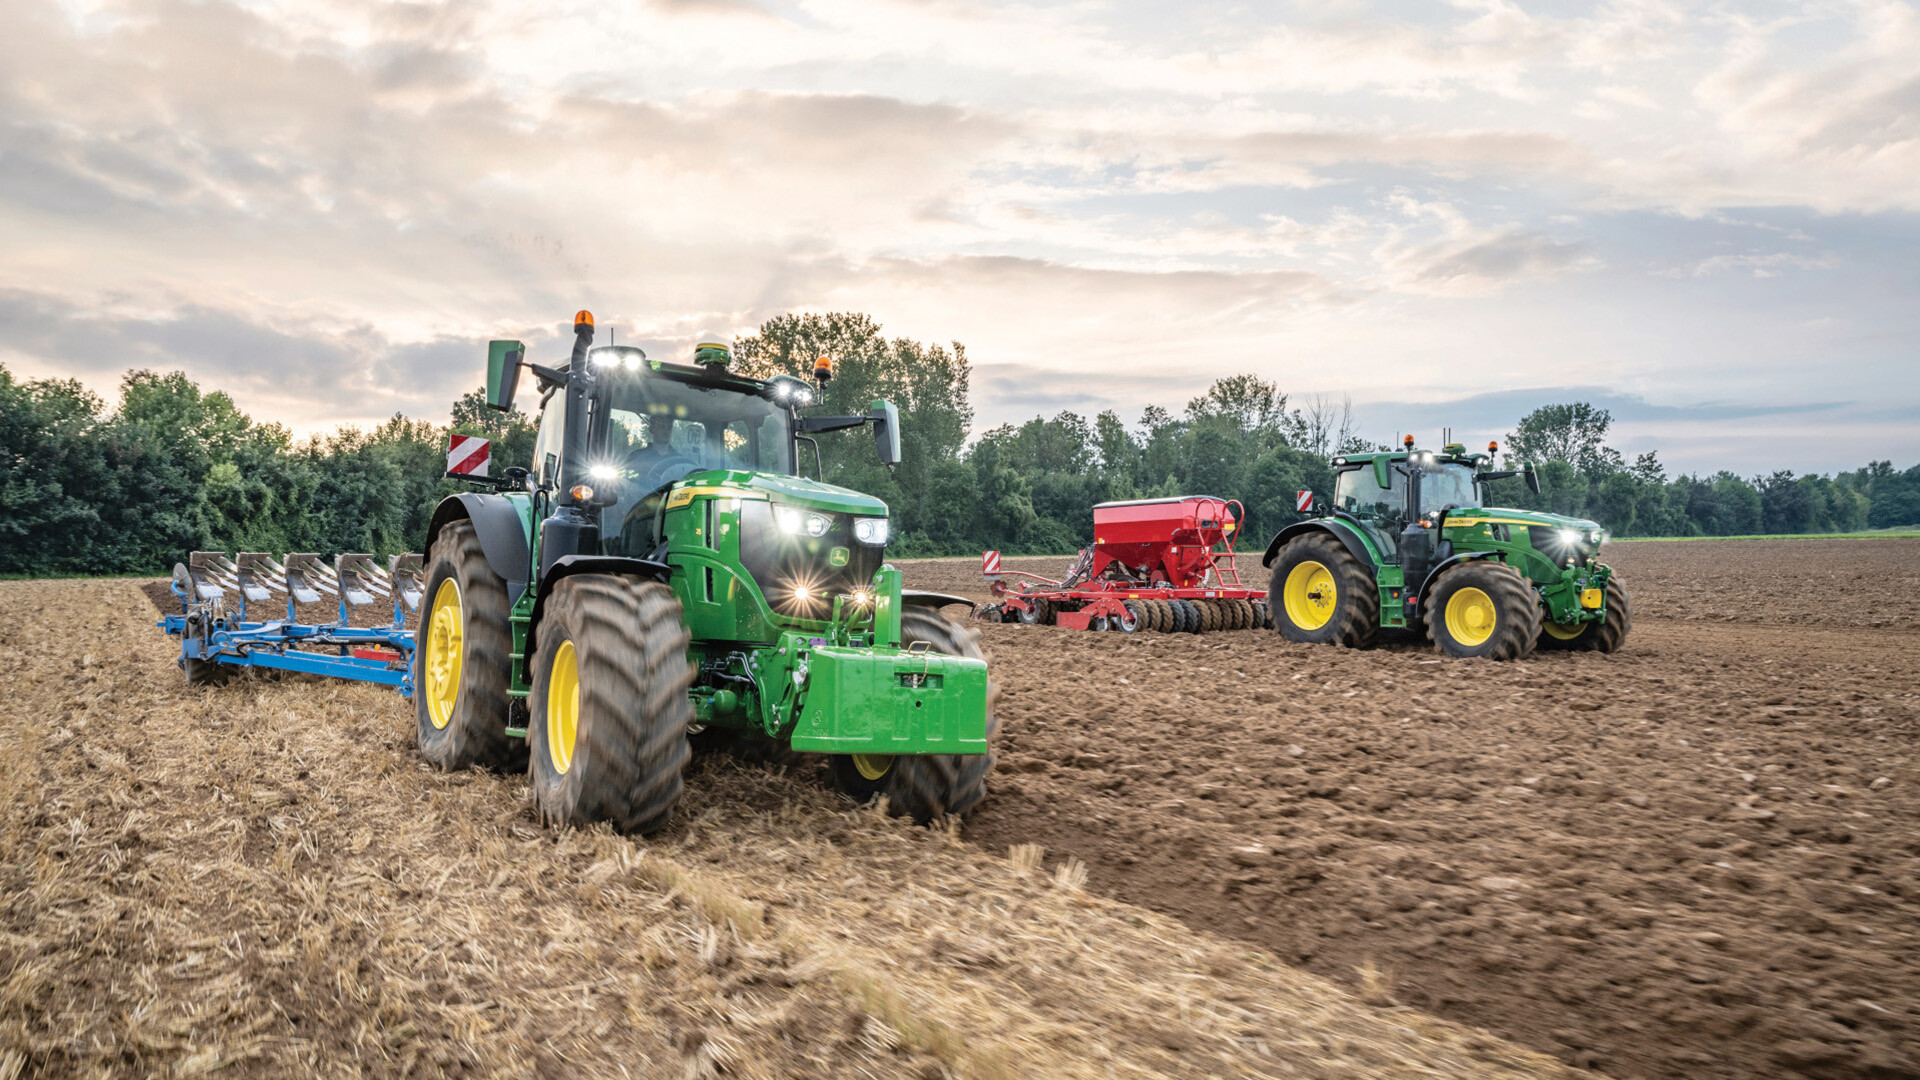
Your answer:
<point x="1407" y="542"/>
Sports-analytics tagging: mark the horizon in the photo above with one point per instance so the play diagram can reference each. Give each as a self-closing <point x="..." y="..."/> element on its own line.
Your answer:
<point x="1702" y="220"/>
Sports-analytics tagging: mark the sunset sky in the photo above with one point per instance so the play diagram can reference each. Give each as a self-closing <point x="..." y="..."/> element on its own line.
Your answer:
<point x="1703" y="216"/>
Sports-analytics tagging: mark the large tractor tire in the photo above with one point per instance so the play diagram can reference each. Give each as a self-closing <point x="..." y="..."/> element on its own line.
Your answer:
<point x="1483" y="608"/>
<point x="609" y="712"/>
<point x="461" y="656"/>
<point x="925" y="787"/>
<point x="1604" y="636"/>
<point x="1040" y="615"/>
<point x="1322" y="595"/>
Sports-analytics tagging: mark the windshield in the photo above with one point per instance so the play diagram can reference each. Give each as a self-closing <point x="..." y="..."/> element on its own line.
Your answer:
<point x="659" y="429"/>
<point x="1443" y="486"/>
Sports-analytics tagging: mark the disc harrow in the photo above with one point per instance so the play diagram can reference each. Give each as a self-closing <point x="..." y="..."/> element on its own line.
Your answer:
<point x="217" y="634"/>
<point x="1155" y="564"/>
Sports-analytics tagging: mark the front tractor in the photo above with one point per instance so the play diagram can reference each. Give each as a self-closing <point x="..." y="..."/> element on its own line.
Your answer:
<point x="663" y="568"/>
<point x="1408" y="542"/>
<point x="660" y="568"/>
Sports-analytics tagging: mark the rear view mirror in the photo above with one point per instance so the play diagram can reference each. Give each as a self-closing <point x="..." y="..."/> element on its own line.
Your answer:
<point x="1383" y="472"/>
<point x="1533" y="479"/>
<point x="503" y="372"/>
<point x="886" y="432"/>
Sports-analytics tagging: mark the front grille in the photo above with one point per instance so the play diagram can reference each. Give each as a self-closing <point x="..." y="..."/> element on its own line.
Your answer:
<point x="778" y="561"/>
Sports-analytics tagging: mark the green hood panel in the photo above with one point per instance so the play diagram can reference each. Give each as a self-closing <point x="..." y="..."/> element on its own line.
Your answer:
<point x="797" y="490"/>
<point x="1492" y="515"/>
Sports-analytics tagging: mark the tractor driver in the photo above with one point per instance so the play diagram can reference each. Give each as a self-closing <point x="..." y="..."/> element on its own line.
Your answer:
<point x="658" y="463"/>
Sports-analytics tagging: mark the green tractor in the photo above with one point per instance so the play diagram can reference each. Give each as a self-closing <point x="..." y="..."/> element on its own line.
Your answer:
<point x="1408" y="542"/>
<point x="661" y="568"/>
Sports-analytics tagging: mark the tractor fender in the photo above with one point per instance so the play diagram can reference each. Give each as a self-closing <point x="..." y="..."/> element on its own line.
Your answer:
<point x="568" y="565"/>
<point x="1433" y="575"/>
<point x="500" y="529"/>
<point x="921" y="598"/>
<point x="1338" y="528"/>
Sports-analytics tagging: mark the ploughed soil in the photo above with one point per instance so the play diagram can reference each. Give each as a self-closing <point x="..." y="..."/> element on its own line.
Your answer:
<point x="1697" y="857"/>
<point x="263" y="879"/>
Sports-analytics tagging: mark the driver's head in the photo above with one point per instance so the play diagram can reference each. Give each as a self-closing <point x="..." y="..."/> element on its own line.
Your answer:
<point x="659" y="430"/>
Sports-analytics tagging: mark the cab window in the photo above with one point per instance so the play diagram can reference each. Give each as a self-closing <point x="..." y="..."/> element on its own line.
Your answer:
<point x="1356" y="492"/>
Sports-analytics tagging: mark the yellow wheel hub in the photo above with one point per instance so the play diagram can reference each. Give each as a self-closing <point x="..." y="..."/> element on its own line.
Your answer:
<point x="440" y="669"/>
<point x="563" y="707"/>
<point x="1565" y="631"/>
<point x="872" y="766"/>
<point x="1310" y="595"/>
<point x="1471" y="617"/>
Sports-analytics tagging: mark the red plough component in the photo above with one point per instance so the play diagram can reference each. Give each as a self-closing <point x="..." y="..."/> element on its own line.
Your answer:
<point x="1153" y="566"/>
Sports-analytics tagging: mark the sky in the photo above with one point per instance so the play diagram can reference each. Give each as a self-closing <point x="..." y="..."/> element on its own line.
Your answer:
<point x="1704" y="217"/>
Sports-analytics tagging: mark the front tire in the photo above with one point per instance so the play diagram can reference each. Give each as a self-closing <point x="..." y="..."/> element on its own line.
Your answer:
<point x="609" y="712"/>
<point x="1483" y="608"/>
<point x="925" y="787"/>
<point x="1605" y="636"/>
<point x="461" y="653"/>
<point x="1322" y="595"/>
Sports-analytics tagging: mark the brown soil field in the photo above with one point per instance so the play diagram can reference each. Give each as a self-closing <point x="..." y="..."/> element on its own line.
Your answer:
<point x="1697" y="857"/>
<point x="262" y="879"/>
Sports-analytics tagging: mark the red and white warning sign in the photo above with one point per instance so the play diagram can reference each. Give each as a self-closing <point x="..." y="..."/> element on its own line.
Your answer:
<point x="467" y="455"/>
<point x="1303" y="501"/>
<point x="990" y="564"/>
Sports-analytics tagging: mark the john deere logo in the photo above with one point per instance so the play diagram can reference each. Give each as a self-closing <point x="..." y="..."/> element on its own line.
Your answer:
<point x="837" y="557"/>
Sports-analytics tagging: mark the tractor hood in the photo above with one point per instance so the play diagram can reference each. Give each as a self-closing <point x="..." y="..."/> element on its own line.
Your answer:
<point x="1494" y="515"/>
<point x="796" y="490"/>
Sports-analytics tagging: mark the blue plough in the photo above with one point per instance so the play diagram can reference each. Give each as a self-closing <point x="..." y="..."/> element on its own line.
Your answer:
<point x="215" y="640"/>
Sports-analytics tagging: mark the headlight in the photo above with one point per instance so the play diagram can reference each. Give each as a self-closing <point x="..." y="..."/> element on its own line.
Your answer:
<point x="604" y="472"/>
<point x="1595" y="536"/>
<point x="792" y="519"/>
<point x="870" y="530"/>
<point x="1569" y="536"/>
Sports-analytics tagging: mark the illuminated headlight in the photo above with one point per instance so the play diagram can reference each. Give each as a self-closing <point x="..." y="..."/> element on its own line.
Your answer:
<point x="870" y="530"/>
<point x="792" y="519"/>
<point x="802" y="396"/>
<point x="1596" y="536"/>
<point x="604" y="472"/>
<point x="862" y="597"/>
<point x="802" y="593"/>
<point x="1569" y="536"/>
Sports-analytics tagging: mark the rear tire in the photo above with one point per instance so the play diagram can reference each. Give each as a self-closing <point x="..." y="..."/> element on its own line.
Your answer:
<point x="1483" y="608"/>
<point x="461" y="658"/>
<point x="1332" y="600"/>
<point x="926" y="787"/>
<point x="609" y="708"/>
<point x="202" y="672"/>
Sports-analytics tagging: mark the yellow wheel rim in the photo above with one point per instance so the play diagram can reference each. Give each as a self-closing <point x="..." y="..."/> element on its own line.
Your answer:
<point x="441" y="668"/>
<point x="1565" y="631"/>
<point x="872" y="766"/>
<point x="1310" y="595"/>
<point x="1471" y="617"/>
<point x="563" y="707"/>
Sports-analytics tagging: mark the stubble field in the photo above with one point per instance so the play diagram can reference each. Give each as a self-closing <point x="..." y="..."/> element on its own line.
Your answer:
<point x="1697" y="857"/>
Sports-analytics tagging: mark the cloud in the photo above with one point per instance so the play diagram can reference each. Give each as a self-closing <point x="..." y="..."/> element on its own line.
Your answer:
<point x="326" y="207"/>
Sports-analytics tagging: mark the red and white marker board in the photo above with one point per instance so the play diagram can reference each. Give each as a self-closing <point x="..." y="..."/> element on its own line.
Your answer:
<point x="1303" y="501"/>
<point x="990" y="564"/>
<point x="467" y="455"/>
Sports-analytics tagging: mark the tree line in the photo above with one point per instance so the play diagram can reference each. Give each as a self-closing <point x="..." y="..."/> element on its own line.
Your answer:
<point x="88" y="489"/>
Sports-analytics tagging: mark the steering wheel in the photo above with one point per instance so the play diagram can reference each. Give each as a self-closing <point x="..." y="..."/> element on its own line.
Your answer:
<point x="654" y="472"/>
